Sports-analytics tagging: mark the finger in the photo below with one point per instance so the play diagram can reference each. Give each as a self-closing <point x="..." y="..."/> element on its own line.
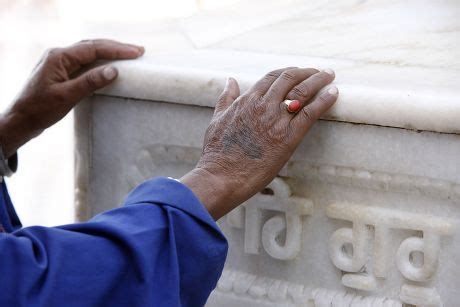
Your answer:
<point x="288" y="80"/>
<point x="307" y="89"/>
<point x="89" y="82"/>
<point x="87" y="52"/>
<point x="262" y="86"/>
<point x="303" y="120"/>
<point x="228" y="96"/>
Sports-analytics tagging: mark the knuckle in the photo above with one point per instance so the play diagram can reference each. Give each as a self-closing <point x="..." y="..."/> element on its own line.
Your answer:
<point x="277" y="134"/>
<point x="308" y="114"/>
<point x="288" y="75"/>
<point x="258" y="109"/>
<point x="302" y="91"/>
<point x="251" y="98"/>
<point x="324" y="98"/>
<point x="321" y="77"/>
<point x="53" y="53"/>
<point x="86" y="41"/>
<point x="272" y="75"/>
<point x="92" y="80"/>
<point x="256" y="93"/>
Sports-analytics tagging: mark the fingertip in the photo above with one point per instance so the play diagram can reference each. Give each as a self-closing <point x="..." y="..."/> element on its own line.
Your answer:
<point x="231" y="81"/>
<point x="327" y="98"/>
<point x="233" y="85"/>
<point x="227" y="84"/>
<point x="141" y="50"/>
<point x="333" y="90"/>
<point x="110" y="73"/>
<point x="131" y="52"/>
<point x="329" y="72"/>
<point x="329" y="75"/>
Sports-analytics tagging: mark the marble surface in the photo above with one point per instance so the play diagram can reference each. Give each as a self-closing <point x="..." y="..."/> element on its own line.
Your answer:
<point x="421" y="33"/>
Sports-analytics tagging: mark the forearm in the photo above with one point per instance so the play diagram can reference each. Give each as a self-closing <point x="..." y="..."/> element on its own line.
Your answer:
<point x="152" y="251"/>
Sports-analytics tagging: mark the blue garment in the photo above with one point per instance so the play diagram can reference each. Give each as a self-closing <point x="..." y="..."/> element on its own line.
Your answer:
<point x="161" y="249"/>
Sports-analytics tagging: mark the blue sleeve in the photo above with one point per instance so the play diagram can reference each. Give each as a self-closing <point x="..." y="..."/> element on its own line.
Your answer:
<point x="161" y="249"/>
<point x="9" y="220"/>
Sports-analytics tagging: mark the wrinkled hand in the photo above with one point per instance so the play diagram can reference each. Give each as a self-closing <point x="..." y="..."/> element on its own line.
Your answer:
<point x="252" y="136"/>
<point x="57" y="84"/>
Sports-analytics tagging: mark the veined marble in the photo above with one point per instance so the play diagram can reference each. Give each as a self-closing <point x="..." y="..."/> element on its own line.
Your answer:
<point x="422" y="33"/>
<point x="367" y="211"/>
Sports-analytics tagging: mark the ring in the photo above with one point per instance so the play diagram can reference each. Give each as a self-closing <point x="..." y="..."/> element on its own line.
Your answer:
<point x="292" y="106"/>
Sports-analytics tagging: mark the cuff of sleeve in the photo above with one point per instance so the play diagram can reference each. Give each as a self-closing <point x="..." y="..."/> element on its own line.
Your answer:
<point x="173" y="193"/>
<point x="8" y="217"/>
<point x="13" y="162"/>
<point x="8" y="166"/>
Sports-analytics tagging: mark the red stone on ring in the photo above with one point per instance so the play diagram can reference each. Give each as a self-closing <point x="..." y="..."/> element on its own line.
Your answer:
<point x="294" y="106"/>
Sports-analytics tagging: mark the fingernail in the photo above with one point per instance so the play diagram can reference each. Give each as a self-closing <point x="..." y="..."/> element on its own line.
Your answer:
<point x="333" y="90"/>
<point x="109" y="72"/>
<point x="329" y="71"/>
<point x="229" y="80"/>
<point x="141" y="50"/>
<point x="136" y="50"/>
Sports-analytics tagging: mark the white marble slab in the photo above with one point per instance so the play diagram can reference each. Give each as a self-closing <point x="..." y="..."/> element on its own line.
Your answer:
<point x="386" y="191"/>
<point x="391" y="194"/>
<point x="367" y="211"/>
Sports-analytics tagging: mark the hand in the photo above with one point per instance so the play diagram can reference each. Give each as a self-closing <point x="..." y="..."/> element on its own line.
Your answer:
<point x="252" y="136"/>
<point x="57" y="84"/>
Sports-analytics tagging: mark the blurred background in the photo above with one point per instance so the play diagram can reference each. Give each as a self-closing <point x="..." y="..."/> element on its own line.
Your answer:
<point x="396" y="33"/>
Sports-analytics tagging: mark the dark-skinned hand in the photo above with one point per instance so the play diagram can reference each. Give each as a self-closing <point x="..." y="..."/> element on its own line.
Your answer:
<point x="252" y="136"/>
<point x="57" y="84"/>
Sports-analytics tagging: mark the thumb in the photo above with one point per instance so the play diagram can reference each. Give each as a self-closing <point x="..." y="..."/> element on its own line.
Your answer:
<point x="228" y="96"/>
<point x="91" y="81"/>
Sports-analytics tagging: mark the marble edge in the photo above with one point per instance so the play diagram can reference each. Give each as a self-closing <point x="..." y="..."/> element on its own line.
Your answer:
<point x="409" y="108"/>
<point x="82" y="160"/>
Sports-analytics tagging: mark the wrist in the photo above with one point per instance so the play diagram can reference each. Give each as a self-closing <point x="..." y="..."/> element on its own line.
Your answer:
<point x="215" y="192"/>
<point x="13" y="133"/>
